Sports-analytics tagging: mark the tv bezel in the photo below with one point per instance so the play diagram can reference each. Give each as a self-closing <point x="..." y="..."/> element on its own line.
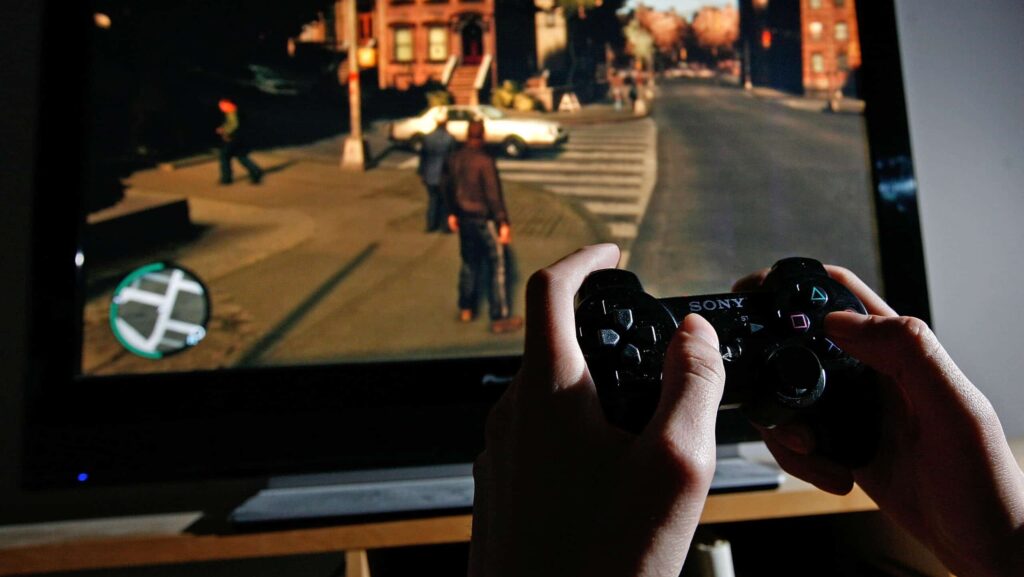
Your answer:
<point x="275" y="420"/>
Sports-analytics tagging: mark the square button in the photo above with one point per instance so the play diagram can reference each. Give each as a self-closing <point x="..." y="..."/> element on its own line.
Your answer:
<point x="800" y="322"/>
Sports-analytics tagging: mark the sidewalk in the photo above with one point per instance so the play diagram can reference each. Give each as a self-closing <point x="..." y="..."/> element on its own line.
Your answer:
<point x="320" y="265"/>
<point x="809" y="104"/>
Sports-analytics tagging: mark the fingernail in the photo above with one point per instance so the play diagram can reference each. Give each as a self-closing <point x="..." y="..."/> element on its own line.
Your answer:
<point x="796" y="440"/>
<point x="697" y="326"/>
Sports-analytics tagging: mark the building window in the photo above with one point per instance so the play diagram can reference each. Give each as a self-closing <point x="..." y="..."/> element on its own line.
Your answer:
<point x="840" y="3"/>
<point x="403" y="45"/>
<point x="815" y="29"/>
<point x="437" y="43"/>
<point x="842" y="31"/>
<point x="817" y="63"/>
<point x="815" y="4"/>
<point x="843" y="62"/>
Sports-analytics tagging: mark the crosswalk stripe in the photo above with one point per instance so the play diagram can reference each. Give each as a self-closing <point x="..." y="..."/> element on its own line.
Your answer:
<point x="610" y="147"/>
<point x="602" y="156"/>
<point x="606" y="180"/>
<point x="608" y="194"/>
<point x="567" y="167"/>
<point x="613" y="208"/>
<point x="624" y="230"/>
<point x="609" y="138"/>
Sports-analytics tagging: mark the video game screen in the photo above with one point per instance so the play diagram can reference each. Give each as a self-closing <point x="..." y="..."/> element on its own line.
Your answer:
<point x="287" y="183"/>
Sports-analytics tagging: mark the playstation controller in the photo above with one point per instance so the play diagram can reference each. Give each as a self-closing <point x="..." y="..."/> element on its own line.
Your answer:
<point x="780" y="365"/>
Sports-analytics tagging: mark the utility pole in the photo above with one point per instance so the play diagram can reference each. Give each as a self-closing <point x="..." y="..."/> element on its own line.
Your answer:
<point x="354" y="154"/>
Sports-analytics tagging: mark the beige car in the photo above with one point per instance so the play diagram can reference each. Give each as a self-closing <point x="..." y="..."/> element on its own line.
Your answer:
<point x="515" y="136"/>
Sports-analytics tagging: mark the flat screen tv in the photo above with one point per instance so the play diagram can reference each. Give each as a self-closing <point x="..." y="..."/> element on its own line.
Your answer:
<point x="302" y="317"/>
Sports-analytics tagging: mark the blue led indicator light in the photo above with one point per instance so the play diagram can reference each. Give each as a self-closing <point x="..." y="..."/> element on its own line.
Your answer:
<point x="83" y="477"/>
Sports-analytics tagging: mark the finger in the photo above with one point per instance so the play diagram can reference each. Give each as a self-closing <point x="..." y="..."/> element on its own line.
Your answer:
<point x="752" y="281"/>
<point x="796" y="437"/>
<point x="552" y="356"/>
<point x="901" y="348"/>
<point x="691" y="389"/>
<point x="872" y="302"/>
<point x="823" y="473"/>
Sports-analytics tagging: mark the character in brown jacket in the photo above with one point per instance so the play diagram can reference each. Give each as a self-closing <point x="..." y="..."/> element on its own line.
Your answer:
<point x="476" y="209"/>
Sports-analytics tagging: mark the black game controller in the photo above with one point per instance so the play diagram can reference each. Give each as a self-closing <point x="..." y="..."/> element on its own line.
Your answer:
<point x="780" y="365"/>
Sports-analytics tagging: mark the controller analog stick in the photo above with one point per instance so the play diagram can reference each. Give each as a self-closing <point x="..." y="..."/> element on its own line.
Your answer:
<point x="795" y="375"/>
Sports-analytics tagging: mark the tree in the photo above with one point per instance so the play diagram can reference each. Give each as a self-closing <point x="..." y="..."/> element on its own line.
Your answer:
<point x="716" y="29"/>
<point x="667" y="29"/>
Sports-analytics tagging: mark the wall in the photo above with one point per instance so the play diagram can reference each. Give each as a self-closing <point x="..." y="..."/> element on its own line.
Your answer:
<point x="963" y="66"/>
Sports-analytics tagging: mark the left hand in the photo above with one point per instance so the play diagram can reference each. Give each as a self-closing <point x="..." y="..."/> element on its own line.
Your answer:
<point x="504" y="234"/>
<point x="559" y="490"/>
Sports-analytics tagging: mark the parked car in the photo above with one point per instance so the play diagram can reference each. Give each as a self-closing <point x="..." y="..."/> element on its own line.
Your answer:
<point x="515" y="136"/>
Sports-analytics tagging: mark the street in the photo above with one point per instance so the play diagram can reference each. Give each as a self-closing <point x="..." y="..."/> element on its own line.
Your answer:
<point x="316" y="265"/>
<point x="743" y="182"/>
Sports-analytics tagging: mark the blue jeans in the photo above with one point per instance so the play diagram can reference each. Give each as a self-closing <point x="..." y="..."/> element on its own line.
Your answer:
<point x="231" y="150"/>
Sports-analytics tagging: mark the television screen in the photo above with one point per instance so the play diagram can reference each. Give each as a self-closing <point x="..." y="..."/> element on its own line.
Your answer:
<point x="282" y="186"/>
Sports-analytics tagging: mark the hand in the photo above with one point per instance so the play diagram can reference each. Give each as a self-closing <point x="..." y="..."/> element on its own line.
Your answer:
<point x="560" y="491"/>
<point x="944" y="469"/>
<point x="504" y="234"/>
<point x="453" y="223"/>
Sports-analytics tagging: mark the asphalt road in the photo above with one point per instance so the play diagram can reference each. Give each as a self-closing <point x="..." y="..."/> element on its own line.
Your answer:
<point x="744" y="181"/>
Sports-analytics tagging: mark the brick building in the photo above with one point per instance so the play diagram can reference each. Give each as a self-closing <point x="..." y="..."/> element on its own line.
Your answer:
<point x="801" y="46"/>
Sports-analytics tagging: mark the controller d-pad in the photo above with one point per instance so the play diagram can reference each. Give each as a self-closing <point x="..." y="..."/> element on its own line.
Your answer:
<point x="623" y="318"/>
<point x="631" y="356"/>
<point x="608" y="338"/>
<point x="646" y="336"/>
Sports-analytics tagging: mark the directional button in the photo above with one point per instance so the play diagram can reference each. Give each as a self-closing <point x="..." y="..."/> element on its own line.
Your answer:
<point x="646" y="336"/>
<point x="608" y="338"/>
<point x="631" y="356"/>
<point x="623" y="318"/>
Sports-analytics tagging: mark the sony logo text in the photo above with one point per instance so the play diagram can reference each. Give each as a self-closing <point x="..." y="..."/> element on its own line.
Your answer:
<point x="716" y="304"/>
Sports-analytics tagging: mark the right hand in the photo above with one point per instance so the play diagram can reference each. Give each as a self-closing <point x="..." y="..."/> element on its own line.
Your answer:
<point x="453" y="223"/>
<point x="944" y="470"/>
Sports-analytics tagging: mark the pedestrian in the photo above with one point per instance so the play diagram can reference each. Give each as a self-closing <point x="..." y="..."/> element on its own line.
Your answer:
<point x="234" y="145"/>
<point x="437" y="146"/>
<point x="476" y="208"/>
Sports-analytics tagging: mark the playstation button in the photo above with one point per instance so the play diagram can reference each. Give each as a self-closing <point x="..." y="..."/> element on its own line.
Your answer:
<point x="799" y="322"/>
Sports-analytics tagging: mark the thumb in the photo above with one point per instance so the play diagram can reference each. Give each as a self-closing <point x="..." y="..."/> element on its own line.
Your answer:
<point x="691" y="388"/>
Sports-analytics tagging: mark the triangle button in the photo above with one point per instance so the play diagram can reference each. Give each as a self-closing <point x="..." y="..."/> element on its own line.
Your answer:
<point x="818" y="296"/>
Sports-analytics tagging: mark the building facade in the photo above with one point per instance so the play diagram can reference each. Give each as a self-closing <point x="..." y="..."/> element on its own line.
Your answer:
<point x="416" y="38"/>
<point x="831" y="45"/>
<point x="800" y="46"/>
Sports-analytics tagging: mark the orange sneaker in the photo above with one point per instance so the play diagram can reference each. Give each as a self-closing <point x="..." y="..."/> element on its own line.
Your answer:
<point x="465" y="315"/>
<point x="506" y="325"/>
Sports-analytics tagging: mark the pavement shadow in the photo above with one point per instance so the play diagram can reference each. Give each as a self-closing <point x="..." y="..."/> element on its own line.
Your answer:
<point x="281" y="330"/>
